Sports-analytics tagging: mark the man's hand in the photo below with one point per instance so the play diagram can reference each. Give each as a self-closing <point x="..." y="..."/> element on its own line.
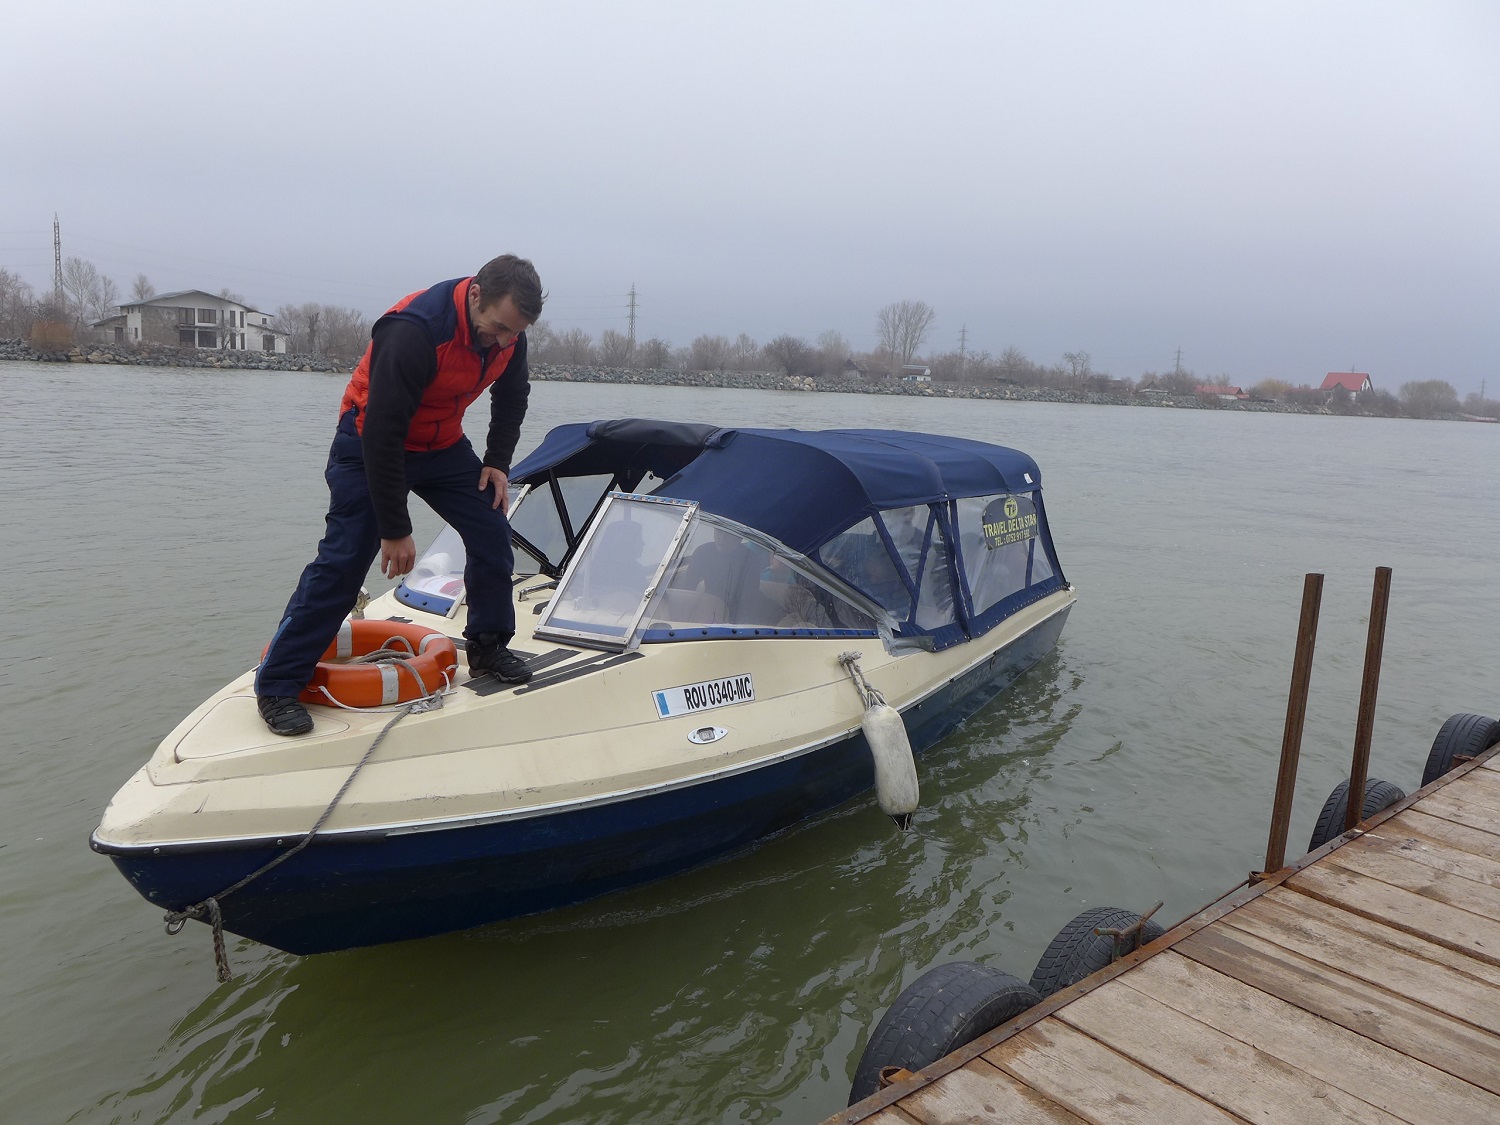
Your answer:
<point x="489" y="476"/>
<point x="397" y="556"/>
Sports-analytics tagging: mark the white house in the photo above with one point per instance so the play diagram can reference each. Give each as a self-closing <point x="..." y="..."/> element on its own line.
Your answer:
<point x="195" y="319"/>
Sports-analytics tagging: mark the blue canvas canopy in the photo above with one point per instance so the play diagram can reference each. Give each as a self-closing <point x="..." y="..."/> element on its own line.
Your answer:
<point x="949" y="535"/>
<point x="801" y="487"/>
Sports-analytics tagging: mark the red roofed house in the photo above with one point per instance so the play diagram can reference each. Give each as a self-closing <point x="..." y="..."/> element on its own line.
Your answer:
<point x="1352" y="381"/>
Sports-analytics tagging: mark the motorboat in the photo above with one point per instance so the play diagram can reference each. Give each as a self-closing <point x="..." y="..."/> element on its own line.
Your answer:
<point x="702" y="610"/>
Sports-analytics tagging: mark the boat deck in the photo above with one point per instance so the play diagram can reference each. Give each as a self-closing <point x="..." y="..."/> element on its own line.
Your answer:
<point x="1360" y="984"/>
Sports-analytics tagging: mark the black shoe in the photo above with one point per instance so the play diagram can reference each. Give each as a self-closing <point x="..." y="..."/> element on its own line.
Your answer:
<point x="284" y="714"/>
<point x="487" y="654"/>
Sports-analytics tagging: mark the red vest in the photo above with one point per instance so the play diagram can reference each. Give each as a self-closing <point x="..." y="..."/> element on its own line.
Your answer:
<point x="462" y="373"/>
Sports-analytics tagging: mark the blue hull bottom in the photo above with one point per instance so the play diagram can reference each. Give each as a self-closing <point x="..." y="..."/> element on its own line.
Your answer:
<point x="345" y="891"/>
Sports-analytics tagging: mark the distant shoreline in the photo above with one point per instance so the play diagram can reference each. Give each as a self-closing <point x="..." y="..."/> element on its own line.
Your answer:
<point x="192" y="358"/>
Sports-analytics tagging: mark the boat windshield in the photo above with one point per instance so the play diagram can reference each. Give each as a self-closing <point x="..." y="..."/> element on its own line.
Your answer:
<point x="602" y="595"/>
<point x="658" y="570"/>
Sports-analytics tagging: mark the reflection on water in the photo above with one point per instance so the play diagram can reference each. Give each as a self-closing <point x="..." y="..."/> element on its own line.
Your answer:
<point x="164" y="516"/>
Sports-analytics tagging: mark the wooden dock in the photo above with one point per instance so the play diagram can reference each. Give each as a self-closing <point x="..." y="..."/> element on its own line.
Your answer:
<point x="1359" y="984"/>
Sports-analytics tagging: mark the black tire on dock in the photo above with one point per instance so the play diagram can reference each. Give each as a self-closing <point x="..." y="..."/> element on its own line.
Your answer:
<point x="1378" y="795"/>
<point x="1077" y="951"/>
<point x="939" y="1012"/>
<point x="1462" y="735"/>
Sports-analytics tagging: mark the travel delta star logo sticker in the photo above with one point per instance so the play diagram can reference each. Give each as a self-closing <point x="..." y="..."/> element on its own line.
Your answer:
<point x="1009" y="519"/>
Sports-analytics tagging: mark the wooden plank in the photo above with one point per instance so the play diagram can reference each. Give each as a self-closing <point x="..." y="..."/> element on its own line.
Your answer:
<point x="1480" y="790"/>
<point x="1483" y="785"/>
<point x="1429" y="853"/>
<point x="1433" y="885"/>
<point x="1448" y="804"/>
<point x="1360" y="946"/>
<point x="1096" y="1083"/>
<point x="1219" y="1068"/>
<point x="1405" y="1087"/>
<point x="1417" y="822"/>
<point x="1403" y="1025"/>
<point x="980" y="1094"/>
<point x="893" y="1115"/>
<point x="1379" y="901"/>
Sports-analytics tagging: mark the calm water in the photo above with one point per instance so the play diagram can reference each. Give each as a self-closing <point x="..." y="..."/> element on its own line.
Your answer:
<point x="155" y="521"/>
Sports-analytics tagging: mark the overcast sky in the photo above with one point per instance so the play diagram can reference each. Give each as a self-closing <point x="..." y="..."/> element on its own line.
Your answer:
<point x="1279" y="188"/>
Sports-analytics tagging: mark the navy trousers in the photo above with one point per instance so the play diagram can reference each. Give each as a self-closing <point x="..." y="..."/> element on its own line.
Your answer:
<point x="448" y="480"/>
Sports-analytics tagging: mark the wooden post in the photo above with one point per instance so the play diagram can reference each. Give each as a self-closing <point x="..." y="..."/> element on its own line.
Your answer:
<point x="1296" y="716"/>
<point x="1364" y="727"/>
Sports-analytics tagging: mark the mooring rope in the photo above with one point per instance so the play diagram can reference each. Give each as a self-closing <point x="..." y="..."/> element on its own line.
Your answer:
<point x="176" y="919"/>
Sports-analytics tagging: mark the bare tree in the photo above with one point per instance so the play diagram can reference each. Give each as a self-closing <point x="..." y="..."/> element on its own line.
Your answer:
<point x="81" y="289"/>
<point x="745" y="353"/>
<point x="17" y="306"/>
<point x="947" y="367"/>
<point x="790" y="353"/>
<point x="654" y="354"/>
<point x="1013" y="364"/>
<point x="709" y="353"/>
<point x="300" y="323"/>
<point x="538" y="341"/>
<point x="1427" y="398"/>
<point x="1078" y="366"/>
<point x="615" y="348"/>
<point x="107" y="299"/>
<point x="229" y="294"/>
<point x="573" y="346"/>
<point x="901" y="328"/>
<point x="141" y="288"/>
<point x="833" y="349"/>
<point x="1475" y="404"/>
<point x="346" y="332"/>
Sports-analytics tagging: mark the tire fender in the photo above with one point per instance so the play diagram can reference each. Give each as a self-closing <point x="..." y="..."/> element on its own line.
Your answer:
<point x="1378" y="795"/>
<point x="1077" y="951"/>
<point x="937" y="1013"/>
<point x="1463" y="735"/>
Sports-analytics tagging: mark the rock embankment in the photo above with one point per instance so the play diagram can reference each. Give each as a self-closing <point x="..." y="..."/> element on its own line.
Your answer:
<point x="160" y="355"/>
<point x="164" y="355"/>
<point x="767" y="381"/>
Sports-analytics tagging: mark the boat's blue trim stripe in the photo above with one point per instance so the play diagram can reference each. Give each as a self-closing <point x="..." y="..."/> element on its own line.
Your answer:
<point x="432" y="603"/>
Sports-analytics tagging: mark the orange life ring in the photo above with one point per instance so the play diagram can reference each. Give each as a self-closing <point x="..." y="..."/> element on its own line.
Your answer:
<point x="434" y="659"/>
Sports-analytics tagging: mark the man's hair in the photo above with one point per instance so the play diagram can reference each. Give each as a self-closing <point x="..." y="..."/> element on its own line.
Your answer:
<point x="510" y="276"/>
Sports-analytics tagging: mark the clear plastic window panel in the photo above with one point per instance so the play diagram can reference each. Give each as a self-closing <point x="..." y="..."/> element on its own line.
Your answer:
<point x="860" y="558"/>
<point x="935" y="601"/>
<point x="907" y="528"/>
<point x="1001" y="544"/>
<point x="722" y="578"/>
<point x="537" y="520"/>
<point x="581" y="494"/>
<point x="607" y="582"/>
<point x="440" y="570"/>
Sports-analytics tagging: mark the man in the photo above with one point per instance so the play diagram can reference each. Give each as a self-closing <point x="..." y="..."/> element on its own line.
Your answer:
<point x="400" y="430"/>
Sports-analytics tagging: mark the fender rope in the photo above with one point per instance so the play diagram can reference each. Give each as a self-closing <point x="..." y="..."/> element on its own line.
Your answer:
<point x="868" y="695"/>
<point x="175" y="919"/>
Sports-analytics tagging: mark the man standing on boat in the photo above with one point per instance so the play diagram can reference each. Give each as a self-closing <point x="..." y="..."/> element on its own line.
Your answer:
<point x="400" y="430"/>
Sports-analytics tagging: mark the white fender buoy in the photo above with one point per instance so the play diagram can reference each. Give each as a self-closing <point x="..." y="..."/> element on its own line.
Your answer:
<point x="895" y="769"/>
